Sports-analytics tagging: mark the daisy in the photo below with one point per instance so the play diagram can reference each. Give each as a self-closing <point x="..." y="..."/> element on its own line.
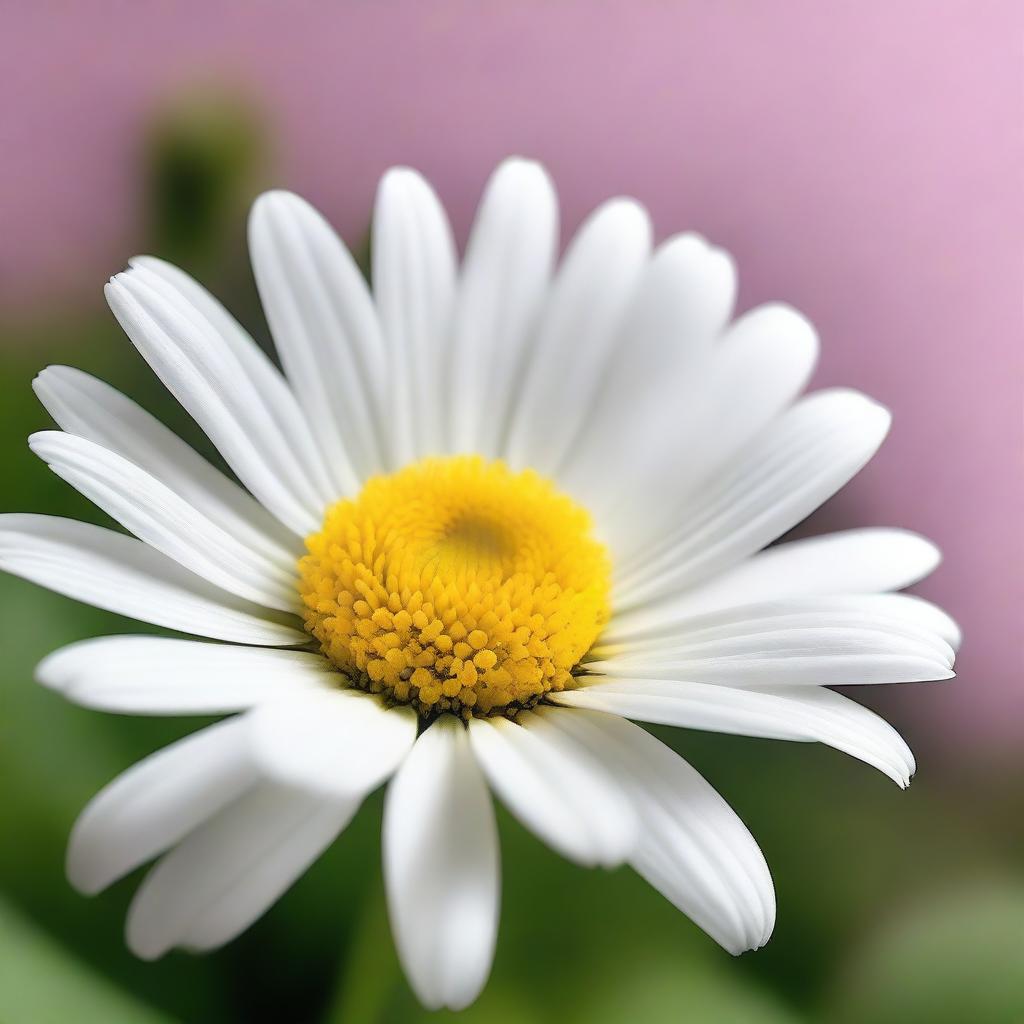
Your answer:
<point x="486" y="516"/>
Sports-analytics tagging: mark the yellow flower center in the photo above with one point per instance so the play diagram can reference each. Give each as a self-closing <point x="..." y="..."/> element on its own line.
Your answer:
<point x="456" y="585"/>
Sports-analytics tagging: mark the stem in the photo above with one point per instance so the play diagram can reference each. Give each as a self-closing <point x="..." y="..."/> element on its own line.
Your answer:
<point x="367" y="975"/>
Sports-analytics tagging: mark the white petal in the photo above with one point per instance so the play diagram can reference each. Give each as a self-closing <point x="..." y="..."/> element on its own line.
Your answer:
<point x="123" y="575"/>
<point x="335" y="742"/>
<point x="916" y="610"/>
<point x="567" y="798"/>
<point x="800" y="461"/>
<point x="759" y="367"/>
<point x="283" y="412"/>
<point x="226" y="873"/>
<point x="157" y="802"/>
<point x="325" y="329"/>
<point x="778" y="712"/>
<point x="505" y="275"/>
<point x="262" y="437"/>
<point x="682" y="302"/>
<point x="165" y="521"/>
<point x="841" y="657"/>
<point x="819" y="641"/>
<point x="601" y="269"/>
<point x="693" y="848"/>
<point x="902" y="614"/>
<point x="441" y="868"/>
<point x="94" y="410"/>
<point x="692" y="431"/>
<point x="850" y="562"/>
<point x="147" y="675"/>
<point x="414" y="285"/>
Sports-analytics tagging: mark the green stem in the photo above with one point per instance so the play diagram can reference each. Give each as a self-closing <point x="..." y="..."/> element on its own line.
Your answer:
<point x="368" y="973"/>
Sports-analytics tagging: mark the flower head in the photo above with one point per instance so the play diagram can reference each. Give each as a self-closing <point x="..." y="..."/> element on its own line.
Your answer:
<point x="486" y="515"/>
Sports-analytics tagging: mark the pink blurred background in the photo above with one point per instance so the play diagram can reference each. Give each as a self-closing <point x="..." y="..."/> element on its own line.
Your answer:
<point x="861" y="160"/>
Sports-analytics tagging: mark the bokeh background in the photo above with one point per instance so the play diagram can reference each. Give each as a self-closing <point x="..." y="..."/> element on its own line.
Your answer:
<point x="862" y="160"/>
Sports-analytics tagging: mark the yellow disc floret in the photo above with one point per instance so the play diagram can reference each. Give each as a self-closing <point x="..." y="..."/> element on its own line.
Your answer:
<point x="456" y="585"/>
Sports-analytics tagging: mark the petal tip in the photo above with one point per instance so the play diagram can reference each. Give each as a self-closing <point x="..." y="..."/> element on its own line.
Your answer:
<point x="274" y="201"/>
<point x="43" y="378"/>
<point x="402" y="180"/>
<point x="47" y="673"/>
<point x="629" y="212"/>
<point x="37" y="440"/>
<point x="519" y="164"/>
<point x="143" y="949"/>
<point x="80" y="869"/>
<point x="117" y="292"/>
<point x="143" y="261"/>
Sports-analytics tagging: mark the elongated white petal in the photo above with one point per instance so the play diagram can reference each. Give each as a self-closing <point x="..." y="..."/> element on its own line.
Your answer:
<point x="334" y="742"/>
<point x="786" y="660"/>
<point x="88" y="407"/>
<point x="505" y="276"/>
<point x="414" y="285"/>
<point x="283" y="411"/>
<point x="823" y="641"/>
<point x="441" y="868"/>
<point x="759" y="367"/>
<point x="800" y="461"/>
<point x="694" y="428"/>
<point x="155" y="803"/>
<point x="567" y="798"/>
<point x="588" y="299"/>
<point x="263" y="437"/>
<point x="777" y="712"/>
<point x="165" y="521"/>
<point x="225" y="874"/>
<point x="123" y="575"/>
<point x="849" y="562"/>
<point x="147" y="675"/>
<point x="325" y="329"/>
<point x="899" y="614"/>
<point x="682" y="302"/>
<point x="693" y="847"/>
<point x="912" y="610"/>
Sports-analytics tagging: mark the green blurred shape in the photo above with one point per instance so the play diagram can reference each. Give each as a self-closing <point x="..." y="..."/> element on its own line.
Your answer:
<point x="957" y="959"/>
<point x="204" y="152"/>
<point x="498" y="1005"/>
<point x="41" y="983"/>
<point x="666" y="990"/>
<point x="371" y="989"/>
<point x="371" y="967"/>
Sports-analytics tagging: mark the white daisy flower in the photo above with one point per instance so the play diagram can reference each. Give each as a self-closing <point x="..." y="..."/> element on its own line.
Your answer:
<point x="486" y="516"/>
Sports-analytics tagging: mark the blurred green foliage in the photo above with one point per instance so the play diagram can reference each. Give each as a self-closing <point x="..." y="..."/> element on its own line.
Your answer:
<point x="959" y="957"/>
<point x="205" y="154"/>
<point x="893" y="906"/>
<point x="42" y="983"/>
